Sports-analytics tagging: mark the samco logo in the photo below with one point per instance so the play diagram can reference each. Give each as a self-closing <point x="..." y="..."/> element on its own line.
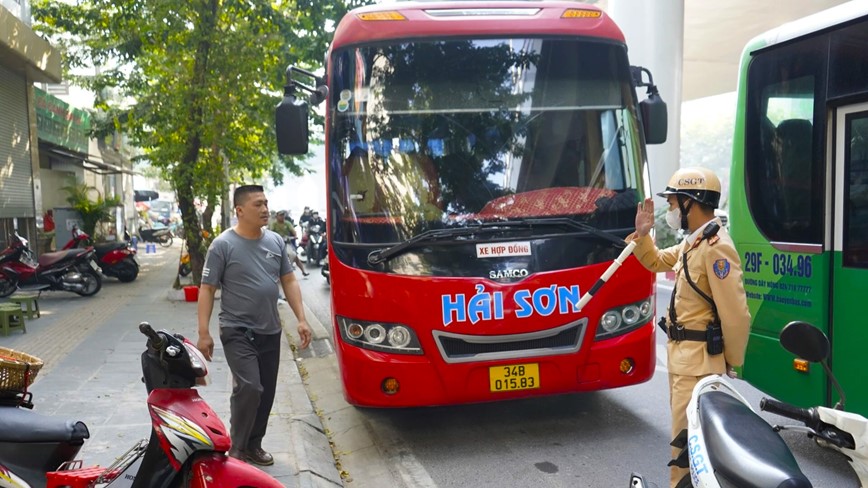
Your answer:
<point x="507" y="273"/>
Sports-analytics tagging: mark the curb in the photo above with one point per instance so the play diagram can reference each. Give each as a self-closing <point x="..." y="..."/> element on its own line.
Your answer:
<point x="315" y="458"/>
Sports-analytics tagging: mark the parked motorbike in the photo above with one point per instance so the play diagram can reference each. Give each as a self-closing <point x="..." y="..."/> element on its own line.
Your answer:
<point x="116" y="259"/>
<point x="315" y="245"/>
<point x="187" y="447"/>
<point x="727" y="444"/>
<point x="74" y="270"/>
<point x="163" y="236"/>
<point x="325" y="271"/>
<point x="184" y="266"/>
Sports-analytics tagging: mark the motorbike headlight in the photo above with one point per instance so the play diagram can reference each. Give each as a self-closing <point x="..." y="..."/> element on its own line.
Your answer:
<point x="197" y="360"/>
<point x="379" y="336"/>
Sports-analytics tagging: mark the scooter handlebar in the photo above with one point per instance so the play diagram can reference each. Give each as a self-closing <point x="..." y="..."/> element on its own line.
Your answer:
<point x="146" y="329"/>
<point x="806" y="416"/>
<point x="811" y="418"/>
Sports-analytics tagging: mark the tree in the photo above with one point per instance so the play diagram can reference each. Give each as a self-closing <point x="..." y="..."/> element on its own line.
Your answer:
<point x="92" y="212"/>
<point x="195" y="82"/>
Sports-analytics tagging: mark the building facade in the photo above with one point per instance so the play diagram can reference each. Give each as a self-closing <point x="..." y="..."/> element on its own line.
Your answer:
<point x="25" y="58"/>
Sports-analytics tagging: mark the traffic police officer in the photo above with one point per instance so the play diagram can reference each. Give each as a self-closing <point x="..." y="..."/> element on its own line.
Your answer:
<point x="708" y="321"/>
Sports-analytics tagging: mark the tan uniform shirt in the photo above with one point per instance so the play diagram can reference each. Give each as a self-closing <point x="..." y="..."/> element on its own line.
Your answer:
<point x="716" y="269"/>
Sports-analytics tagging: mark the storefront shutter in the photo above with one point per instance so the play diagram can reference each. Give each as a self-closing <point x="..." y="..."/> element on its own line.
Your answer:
<point x="16" y="188"/>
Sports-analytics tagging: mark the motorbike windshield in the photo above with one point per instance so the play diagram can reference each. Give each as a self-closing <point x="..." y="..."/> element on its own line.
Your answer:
<point x="449" y="133"/>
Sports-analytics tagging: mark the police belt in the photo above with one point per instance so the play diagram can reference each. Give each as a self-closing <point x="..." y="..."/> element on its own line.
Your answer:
<point x="679" y="333"/>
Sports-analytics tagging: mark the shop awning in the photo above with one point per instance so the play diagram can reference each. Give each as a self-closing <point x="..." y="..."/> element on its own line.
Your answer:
<point x="145" y="195"/>
<point x="94" y="166"/>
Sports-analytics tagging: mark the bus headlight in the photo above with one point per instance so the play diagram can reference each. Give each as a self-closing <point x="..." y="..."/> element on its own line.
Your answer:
<point x="399" y="336"/>
<point x="623" y="319"/>
<point x="379" y="336"/>
<point x="630" y="314"/>
<point x="610" y="321"/>
<point x="646" y="309"/>
<point x="355" y="330"/>
<point x="375" y="333"/>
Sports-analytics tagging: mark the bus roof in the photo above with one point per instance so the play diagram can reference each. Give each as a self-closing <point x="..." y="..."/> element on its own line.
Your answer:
<point x="465" y="18"/>
<point x="811" y="24"/>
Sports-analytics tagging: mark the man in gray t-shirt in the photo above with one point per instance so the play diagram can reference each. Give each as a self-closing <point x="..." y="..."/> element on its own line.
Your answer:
<point x="248" y="262"/>
<point x="248" y="270"/>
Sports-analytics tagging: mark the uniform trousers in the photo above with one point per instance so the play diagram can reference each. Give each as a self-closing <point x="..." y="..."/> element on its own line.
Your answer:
<point x="254" y="360"/>
<point x="680" y="391"/>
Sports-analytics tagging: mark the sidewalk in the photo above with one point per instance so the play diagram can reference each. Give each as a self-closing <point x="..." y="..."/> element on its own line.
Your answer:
<point x="92" y="348"/>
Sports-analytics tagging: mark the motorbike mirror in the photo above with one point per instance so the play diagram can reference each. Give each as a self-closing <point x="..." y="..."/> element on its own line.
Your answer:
<point x="805" y="341"/>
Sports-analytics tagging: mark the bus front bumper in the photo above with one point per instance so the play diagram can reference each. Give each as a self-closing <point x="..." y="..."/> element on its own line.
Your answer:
<point x="429" y="381"/>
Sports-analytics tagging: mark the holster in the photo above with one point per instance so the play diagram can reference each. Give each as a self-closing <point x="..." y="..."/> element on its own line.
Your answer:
<point x="678" y="333"/>
<point x="714" y="338"/>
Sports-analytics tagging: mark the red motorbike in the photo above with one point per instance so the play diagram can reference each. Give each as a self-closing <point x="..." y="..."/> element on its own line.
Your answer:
<point x="187" y="447"/>
<point x="116" y="259"/>
<point x="73" y="270"/>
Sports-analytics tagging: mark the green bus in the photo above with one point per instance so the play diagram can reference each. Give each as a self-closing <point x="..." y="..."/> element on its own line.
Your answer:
<point x="799" y="200"/>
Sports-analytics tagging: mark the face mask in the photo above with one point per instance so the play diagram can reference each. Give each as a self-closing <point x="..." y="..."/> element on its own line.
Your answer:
<point x="673" y="218"/>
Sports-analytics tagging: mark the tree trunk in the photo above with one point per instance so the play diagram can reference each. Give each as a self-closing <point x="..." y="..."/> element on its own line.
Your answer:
<point x="183" y="174"/>
<point x="207" y="216"/>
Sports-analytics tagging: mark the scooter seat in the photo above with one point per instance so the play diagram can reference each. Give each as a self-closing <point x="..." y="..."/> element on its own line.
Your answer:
<point x="743" y="448"/>
<point x="22" y="425"/>
<point x="49" y="258"/>
<point x="109" y="247"/>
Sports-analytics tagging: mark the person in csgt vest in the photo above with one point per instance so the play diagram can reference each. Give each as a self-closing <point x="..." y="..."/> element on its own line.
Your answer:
<point x="707" y="322"/>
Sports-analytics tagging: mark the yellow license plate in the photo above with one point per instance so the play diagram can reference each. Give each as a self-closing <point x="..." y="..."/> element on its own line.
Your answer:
<point x="514" y="377"/>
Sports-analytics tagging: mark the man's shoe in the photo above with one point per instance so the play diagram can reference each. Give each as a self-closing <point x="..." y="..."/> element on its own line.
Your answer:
<point x="236" y="453"/>
<point x="305" y="273"/>
<point x="259" y="456"/>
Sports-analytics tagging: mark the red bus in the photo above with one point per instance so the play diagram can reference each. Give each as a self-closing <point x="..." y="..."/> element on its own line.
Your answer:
<point x="484" y="161"/>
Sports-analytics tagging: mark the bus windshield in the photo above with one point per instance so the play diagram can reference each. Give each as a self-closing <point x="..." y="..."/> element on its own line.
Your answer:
<point x="450" y="133"/>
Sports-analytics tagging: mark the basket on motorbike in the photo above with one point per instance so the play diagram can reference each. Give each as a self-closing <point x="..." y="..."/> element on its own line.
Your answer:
<point x="17" y="370"/>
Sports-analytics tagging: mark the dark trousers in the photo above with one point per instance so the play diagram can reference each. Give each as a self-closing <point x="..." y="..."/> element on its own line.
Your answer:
<point x="254" y="360"/>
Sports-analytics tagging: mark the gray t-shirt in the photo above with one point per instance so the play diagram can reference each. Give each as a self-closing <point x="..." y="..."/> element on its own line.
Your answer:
<point x="249" y="271"/>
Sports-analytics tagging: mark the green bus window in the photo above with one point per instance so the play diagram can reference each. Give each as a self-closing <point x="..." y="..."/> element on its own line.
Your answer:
<point x="784" y="142"/>
<point x="847" y="71"/>
<point x="856" y="205"/>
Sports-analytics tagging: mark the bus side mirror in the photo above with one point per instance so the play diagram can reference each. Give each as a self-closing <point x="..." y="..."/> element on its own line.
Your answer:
<point x="654" y="119"/>
<point x="291" y="124"/>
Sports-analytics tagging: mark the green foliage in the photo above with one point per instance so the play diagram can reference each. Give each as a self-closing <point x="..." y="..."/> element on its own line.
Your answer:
<point x="194" y="83"/>
<point x="93" y="212"/>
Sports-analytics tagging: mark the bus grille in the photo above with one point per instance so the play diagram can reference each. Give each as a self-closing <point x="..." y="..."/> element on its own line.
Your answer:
<point x="459" y="348"/>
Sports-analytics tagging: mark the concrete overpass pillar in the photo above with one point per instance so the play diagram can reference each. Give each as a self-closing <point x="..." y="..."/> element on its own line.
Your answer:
<point x="655" y="39"/>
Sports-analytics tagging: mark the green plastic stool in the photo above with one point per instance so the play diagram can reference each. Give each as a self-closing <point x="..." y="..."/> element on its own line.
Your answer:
<point x="28" y="303"/>
<point x="11" y="317"/>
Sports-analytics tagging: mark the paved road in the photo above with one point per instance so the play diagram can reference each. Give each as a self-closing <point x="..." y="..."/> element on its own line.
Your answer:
<point x="580" y="440"/>
<point x="92" y="347"/>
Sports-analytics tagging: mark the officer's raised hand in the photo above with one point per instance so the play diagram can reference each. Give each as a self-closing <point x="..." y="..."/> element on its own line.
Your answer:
<point x="645" y="217"/>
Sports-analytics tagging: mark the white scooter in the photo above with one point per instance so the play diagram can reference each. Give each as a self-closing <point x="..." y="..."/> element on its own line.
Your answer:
<point x="727" y="444"/>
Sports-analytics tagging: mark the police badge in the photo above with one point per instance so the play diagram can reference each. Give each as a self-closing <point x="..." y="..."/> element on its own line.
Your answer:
<point x="721" y="268"/>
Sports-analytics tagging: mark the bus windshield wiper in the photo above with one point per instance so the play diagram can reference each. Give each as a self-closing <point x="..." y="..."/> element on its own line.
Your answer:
<point x="381" y="255"/>
<point x="575" y="224"/>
